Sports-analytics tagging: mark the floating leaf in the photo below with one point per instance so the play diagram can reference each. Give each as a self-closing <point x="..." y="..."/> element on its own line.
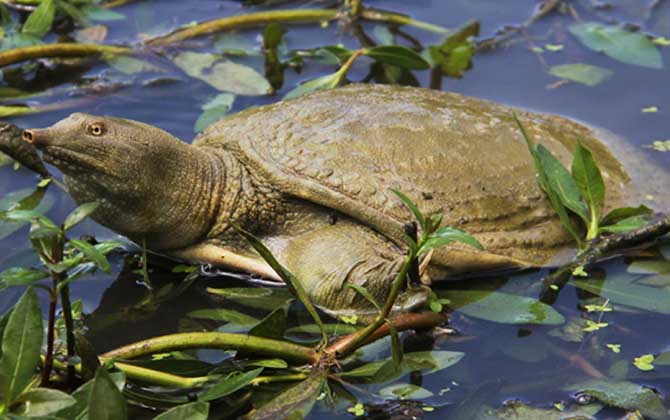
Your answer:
<point x="100" y="14"/>
<point x="619" y="44"/>
<point x="214" y="110"/>
<point x="586" y="74"/>
<point x="192" y="411"/>
<point x="502" y="307"/>
<point x="21" y="343"/>
<point x="397" y="55"/>
<point x="649" y="110"/>
<point x="625" y="395"/>
<point x="79" y="214"/>
<point x="329" y="81"/>
<point x="223" y="74"/>
<point x="426" y="361"/>
<point x="298" y="399"/>
<point x="39" y="22"/>
<point x="225" y="315"/>
<point x="661" y="145"/>
<point x="231" y="383"/>
<point x="623" y="292"/>
<point x="554" y="47"/>
<point x="106" y="401"/>
<point x="644" y="362"/>
<point x="254" y="297"/>
<point x="129" y="65"/>
<point x="405" y="391"/>
<point x="44" y="401"/>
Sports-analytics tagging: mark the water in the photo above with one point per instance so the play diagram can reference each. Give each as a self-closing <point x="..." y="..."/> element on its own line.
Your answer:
<point x="502" y="362"/>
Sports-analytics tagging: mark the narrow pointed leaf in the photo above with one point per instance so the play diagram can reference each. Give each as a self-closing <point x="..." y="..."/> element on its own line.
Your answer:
<point x="588" y="178"/>
<point x="366" y="294"/>
<point x="44" y="401"/>
<point x="39" y="22"/>
<point x="626" y="225"/>
<point x="291" y="281"/>
<point x="412" y="207"/>
<point x="446" y="235"/>
<point x="92" y="254"/>
<point x="397" y="55"/>
<point x="624" y="213"/>
<point x="231" y="383"/>
<point x="79" y="214"/>
<point x="298" y="399"/>
<point x="329" y="81"/>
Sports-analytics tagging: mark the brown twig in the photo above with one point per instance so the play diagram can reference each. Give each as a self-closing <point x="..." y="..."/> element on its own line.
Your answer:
<point x="599" y="249"/>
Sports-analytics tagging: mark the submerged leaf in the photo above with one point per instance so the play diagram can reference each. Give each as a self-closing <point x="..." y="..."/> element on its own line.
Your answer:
<point x="192" y="411"/>
<point x="214" y="110"/>
<point x="624" y="292"/>
<point x="404" y="391"/>
<point x="624" y="395"/>
<point x="619" y="44"/>
<point x="502" y="307"/>
<point x="586" y="74"/>
<point x="426" y="361"/>
<point x="223" y="74"/>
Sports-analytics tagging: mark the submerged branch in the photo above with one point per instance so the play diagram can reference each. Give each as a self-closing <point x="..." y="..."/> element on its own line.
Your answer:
<point x="599" y="249"/>
<point x="408" y="321"/>
<point x="214" y="340"/>
<point x="241" y="21"/>
<point x="18" y="55"/>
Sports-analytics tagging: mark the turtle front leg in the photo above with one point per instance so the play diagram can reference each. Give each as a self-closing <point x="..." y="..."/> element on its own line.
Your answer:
<point x="328" y="258"/>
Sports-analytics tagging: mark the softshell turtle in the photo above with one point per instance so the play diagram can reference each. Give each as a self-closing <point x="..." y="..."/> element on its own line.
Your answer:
<point x="312" y="177"/>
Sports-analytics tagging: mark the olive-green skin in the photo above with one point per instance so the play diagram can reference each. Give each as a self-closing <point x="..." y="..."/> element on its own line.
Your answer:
<point x="312" y="177"/>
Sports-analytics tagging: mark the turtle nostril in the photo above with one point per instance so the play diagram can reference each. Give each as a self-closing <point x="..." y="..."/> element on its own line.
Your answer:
<point x="28" y="136"/>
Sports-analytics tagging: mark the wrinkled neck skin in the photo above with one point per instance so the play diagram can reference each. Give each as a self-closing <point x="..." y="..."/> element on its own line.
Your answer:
<point x="185" y="196"/>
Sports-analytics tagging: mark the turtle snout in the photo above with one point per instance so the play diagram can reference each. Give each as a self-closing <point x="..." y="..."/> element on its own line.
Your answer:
<point x="36" y="137"/>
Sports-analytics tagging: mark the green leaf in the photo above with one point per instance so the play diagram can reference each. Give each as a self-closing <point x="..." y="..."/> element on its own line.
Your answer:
<point x="100" y="14"/>
<point x="329" y="81"/>
<point x="426" y="361"/>
<point x="332" y="54"/>
<point x="291" y="281"/>
<point x="106" y="401"/>
<point x="299" y="398"/>
<point x="624" y="292"/>
<point x="79" y="214"/>
<point x="626" y="225"/>
<point x="19" y="276"/>
<point x="39" y="22"/>
<point x="383" y="35"/>
<point x="405" y="391"/>
<point x="446" y="235"/>
<point x="412" y="207"/>
<point x="21" y="343"/>
<point x="624" y="213"/>
<point x="225" y="315"/>
<point x="501" y="307"/>
<point x="588" y="178"/>
<point x="366" y="294"/>
<point x="192" y="411"/>
<point x="625" y="395"/>
<point x="396" y="346"/>
<point x="586" y="74"/>
<point x="272" y="326"/>
<point x="560" y="180"/>
<point x="619" y="44"/>
<point x="44" y="401"/>
<point x="397" y="55"/>
<point x="273" y="35"/>
<point x="231" y="383"/>
<point x="222" y="74"/>
<point x="458" y="61"/>
<point x="129" y="65"/>
<point x="30" y="216"/>
<point x="258" y="298"/>
<point x="214" y="110"/>
<point x="92" y="254"/>
<point x="269" y="363"/>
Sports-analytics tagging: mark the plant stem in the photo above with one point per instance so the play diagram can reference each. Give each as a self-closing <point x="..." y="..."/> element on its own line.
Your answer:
<point x="215" y="340"/>
<point x="400" y="19"/>
<point x="407" y="321"/>
<point x="278" y="378"/>
<point x="49" y="357"/>
<point x="69" y="330"/>
<point x="599" y="248"/>
<point x="240" y="21"/>
<point x="18" y="55"/>
<point x="155" y="377"/>
<point x="356" y="7"/>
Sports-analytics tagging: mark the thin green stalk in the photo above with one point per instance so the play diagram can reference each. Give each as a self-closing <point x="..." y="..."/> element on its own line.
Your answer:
<point x="240" y="21"/>
<point x="399" y="19"/>
<point x="215" y="340"/>
<point x="155" y="377"/>
<point x="18" y="55"/>
<point x="278" y="378"/>
<point x="356" y="7"/>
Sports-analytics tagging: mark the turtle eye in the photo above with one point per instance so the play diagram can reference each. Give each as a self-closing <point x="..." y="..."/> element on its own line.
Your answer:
<point x="95" y="129"/>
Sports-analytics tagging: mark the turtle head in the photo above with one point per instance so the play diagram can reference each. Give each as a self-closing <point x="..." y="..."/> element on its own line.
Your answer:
<point x="133" y="169"/>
